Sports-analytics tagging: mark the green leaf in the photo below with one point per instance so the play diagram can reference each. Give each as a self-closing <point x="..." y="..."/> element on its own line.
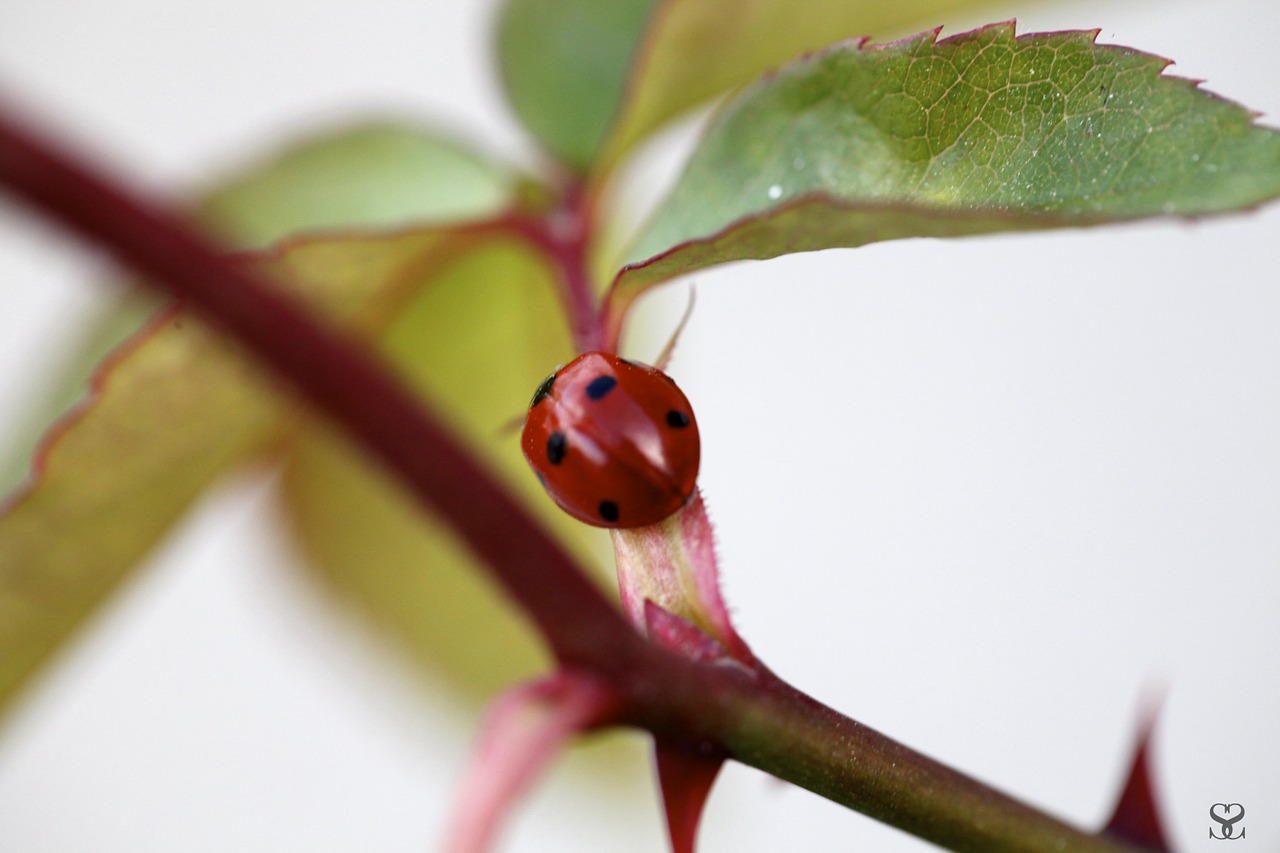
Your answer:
<point x="367" y="176"/>
<point x="978" y="133"/>
<point x="170" y="411"/>
<point x="563" y="65"/>
<point x="696" y="51"/>
<point x="476" y="341"/>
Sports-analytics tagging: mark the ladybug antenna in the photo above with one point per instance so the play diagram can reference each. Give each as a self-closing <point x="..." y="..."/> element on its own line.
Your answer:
<point x="664" y="357"/>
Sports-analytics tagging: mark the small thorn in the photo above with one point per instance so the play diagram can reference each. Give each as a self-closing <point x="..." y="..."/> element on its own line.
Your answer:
<point x="1136" y="818"/>
<point x="685" y="775"/>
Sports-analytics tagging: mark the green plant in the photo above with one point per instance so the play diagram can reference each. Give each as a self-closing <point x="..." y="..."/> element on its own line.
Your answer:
<point x="392" y="252"/>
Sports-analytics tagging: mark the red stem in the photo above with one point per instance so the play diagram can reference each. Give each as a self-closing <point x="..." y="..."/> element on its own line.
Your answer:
<point x="340" y="380"/>
<point x="564" y="235"/>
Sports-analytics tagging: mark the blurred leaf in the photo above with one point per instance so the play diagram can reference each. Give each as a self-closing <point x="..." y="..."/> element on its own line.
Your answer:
<point x="696" y="51"/>
<point x="115" y="477"/>
<point x="524" y="732"/>
<point x="564" y="64"/>
<point x="170" y="411"/>
<point x="978" y="133"/>
<point x="367" y="176"/>
<point x="477" y="340"/>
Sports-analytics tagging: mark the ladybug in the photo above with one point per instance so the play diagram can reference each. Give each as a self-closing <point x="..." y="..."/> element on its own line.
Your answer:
<point x="612" y="441"/>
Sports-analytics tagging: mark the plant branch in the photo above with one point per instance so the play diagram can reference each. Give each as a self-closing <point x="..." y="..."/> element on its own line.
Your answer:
<point x="755" y="717"/>
<point x="766" y="723"/>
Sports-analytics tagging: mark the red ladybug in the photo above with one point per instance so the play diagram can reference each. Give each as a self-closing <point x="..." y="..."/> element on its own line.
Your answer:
<point x="613" y="441"/>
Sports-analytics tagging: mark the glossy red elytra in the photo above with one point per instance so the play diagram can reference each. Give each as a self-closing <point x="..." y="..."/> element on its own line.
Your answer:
<point x="613" y="441"/>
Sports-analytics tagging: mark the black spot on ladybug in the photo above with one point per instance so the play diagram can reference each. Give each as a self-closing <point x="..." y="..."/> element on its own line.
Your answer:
<point x="544" y="390"/>
<point x="608" y="510"/>
<point x="600" y="386"/>
<point x="556" y="446"/>
<point x="679" y="420"/>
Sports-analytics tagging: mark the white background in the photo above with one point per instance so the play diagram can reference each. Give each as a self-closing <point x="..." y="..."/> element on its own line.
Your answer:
<point x="984" y="496"/>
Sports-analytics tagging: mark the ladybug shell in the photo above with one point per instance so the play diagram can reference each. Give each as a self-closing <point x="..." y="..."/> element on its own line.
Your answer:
<point x="613" y="441"/>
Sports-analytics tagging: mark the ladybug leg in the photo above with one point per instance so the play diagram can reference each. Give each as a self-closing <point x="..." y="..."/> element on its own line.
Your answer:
<point x="510" y="427"/>
<point x="665" y="356"/>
